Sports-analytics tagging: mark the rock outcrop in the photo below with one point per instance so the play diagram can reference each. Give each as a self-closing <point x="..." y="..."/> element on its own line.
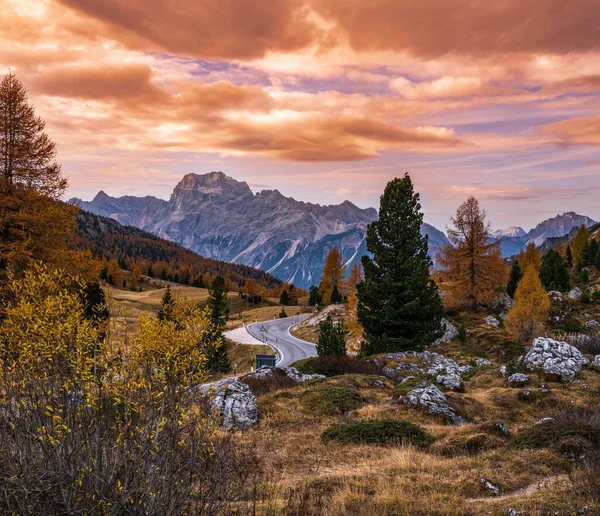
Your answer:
<point x="575" y="293"/>
<point x="555" y="357"/>
<point x="450" y="332"/>
<point x="434" y="401"/>
<point x="492" y="321"/>
<point x="518" y="380"/>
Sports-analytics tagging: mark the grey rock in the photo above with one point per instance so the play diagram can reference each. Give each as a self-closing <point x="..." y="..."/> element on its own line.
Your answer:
<point x="482" y="362"/>
<point x="513" y="512"/>
<point x="596" y="361"/>
<point x="502" y="427"/>
<point x="575" y="293"/>
<point x="492" y="321"/>
<point x="434" y="402"/>
<point x="503" y="371"/>
<point x="486" y="484"/>
<point x="544" y="420"/>
<point x="555" y="357"/>
<point x="592" y="324"/>
<point x="555" y="295"/>
<point x="518" y="380"/>
<point x="450" y="332"/>
<point x="236" y="406"/>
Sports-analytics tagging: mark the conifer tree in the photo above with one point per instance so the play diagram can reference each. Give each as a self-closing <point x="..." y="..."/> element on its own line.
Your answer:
<point x="597" y="262"/>
<point x="284" y="298"/>
<point x="336" y="297"/>
<point x="218" y="303"/>
<point x="167" y="305"/>
<point x="526" y="318"/>
<point x="553" y="273"/>
<point x="473" y="266"/>
<point x="579" y="244"/>
<point x="513" y="280"/>
<point x="593" y="251"/>
<point x="334" y="271"/>
<point x="399" y="305"/>
<point x="332" y="338"/>
<point x="569" y="256"/>
<point x="314" y="297"/>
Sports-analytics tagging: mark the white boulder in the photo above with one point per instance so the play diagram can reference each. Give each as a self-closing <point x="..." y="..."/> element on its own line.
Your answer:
<point x="575" y="293"/>
<point x="433" y="401"/>
<point x="555" y="357"/>
<point x="518" y="380"/>
<point x="450" y="332"/>
<point x="492" y="321"/>
<point x="555" y="295"/>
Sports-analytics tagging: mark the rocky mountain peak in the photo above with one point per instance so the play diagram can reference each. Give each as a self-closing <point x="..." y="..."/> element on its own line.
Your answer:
<point x="212" y="183"/>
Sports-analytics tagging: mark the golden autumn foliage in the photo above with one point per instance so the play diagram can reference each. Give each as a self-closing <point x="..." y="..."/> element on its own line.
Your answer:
<point x="104" y="426"/>
<point x="472" y="267"/>
<point x="531" y="256"/>
<point x="531" y="308"/>
<point x="356" y="276"/>
<point x="333" y="274"/>
<point x="579" y="243"/>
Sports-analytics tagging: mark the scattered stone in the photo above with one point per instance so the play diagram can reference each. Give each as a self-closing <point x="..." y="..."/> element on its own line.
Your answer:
<point x="236" y="406"/>
<point x="503" y="371"/>
<point x="450" y="332"/>
<point x="526" y="394"/>
<point x="592" y="324"/>
<point x="485" y="483"/>
<point x="555" y="295"/>
<point x="518" y="380"/>
<point x="502" y="315"/>
<point x="434" y="401"/>
<point x="482" y="362"/>
<point x="544" y="420"/>
<point x="513" y="512"/>
<point x="544" y="389"/>
<point x="502" y="427"/>
<point x="492" y="321"/>
<point x="575" y="293"/>
<point x="555" y="357"/>
<point x="504" y="302"/>
<point x="596" y="362"/>
<point x="445" y="370"/>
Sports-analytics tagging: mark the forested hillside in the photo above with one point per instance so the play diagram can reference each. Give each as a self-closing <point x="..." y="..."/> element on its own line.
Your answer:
<point x="154" y="256"/>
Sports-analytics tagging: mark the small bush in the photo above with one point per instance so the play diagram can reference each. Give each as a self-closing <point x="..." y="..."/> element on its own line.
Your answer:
<point x="332" y="337"/>
<point x="265" y="384"/>
<point x="378" y="432"/>
<point x="458" y="445"/>
<point x="514" y="366"/>
<point x="572" y="326"/>
<point x="462" y="333"/>
<point x="333" y="399"/>
<point x="585" y="298"/>
<point x="337" y="365"/>
<point x="528" y="396"/>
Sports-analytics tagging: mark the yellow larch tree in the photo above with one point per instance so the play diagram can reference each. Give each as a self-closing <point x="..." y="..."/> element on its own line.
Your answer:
<point x="530" y="256"/>
<point x="332" y="279"/>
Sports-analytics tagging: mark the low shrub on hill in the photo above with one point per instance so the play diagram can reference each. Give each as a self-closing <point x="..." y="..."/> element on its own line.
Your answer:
<point x="378" y="432"/>
<point x="278" y="380"/>
<point x="337" y="365"/>
<point x="333" y="399"/>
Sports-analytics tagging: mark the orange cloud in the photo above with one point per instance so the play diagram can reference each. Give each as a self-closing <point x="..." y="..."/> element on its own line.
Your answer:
<point x="585" y="130"/>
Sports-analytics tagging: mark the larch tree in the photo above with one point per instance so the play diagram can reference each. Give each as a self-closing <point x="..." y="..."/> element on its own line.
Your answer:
<point x="531" y="308"/>
<point x="354" y="278"/>
<point x="472" y="265"/>
<point x="399" y="305"/>
<point x="579" y="245"/>
<point x="333" y="274"/>
<point x="530" y="256"/>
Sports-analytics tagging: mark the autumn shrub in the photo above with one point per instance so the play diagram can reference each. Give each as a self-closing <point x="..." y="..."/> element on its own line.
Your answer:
<point x="337" y="365"/>
<point x="333" y="399"/>
<point x="378" y="432"/>
<point x="275" y="381"/>
<point x="93" y="426"/>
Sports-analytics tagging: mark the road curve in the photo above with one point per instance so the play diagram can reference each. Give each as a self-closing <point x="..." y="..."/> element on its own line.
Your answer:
<point x="278" y="335"/>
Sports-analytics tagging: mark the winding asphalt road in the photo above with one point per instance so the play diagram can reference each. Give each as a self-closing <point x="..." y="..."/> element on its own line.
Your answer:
<point x="278" y="335"/>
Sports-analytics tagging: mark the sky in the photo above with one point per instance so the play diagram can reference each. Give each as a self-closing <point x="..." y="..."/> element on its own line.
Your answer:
<point x="325" y="100"/>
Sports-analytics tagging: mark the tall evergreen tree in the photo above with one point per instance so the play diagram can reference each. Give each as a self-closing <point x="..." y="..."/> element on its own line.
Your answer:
<point x="593" y="251"/>
<point x="314" y="297"/>
<point x="553" y="272"/>
<point x="284" y="298"/>
<point x="513" y="280"/>
<point x="332" y="338"/>
<point x="399" y="305"/>
<point x="569" y="256"/>
<point x="218" y="303"/>
<point x="336" y="297"/>
<point x="167" y="306"/>
<point x="597" y="262"/>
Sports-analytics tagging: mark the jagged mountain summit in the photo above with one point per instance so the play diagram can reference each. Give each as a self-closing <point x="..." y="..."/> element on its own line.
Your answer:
<point x="219" y="217"/>
<point x="557" y="226"/>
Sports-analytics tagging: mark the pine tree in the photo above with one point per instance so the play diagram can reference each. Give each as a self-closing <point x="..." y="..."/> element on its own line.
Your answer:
<point x="569" y="256"/>
<point x="399" y="305"/>
<point x="526" y="318"/>
<point x="332" y="338"/>
<point x="284" y="298"/>
<point x="597" y="262"/>
<point x="513" y="280"/>
<point x="218" y="302"/>
<point x="314" y="298"/>
<point x="579" y="243"/>
<point x="334" y="271"/>
<point x="336" y="297"/>
<point x="553" y="273"/>
<point x="472" y="266"/>
<point x="283" y="313"/>
<point x="593" y="251"/>
<point x="167" y="305"/>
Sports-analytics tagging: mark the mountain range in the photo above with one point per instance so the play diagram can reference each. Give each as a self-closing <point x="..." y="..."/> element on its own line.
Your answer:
<point x="219" y="217"/>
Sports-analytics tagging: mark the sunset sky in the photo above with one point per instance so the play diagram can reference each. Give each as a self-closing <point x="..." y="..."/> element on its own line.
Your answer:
<point x="325" y="100"/>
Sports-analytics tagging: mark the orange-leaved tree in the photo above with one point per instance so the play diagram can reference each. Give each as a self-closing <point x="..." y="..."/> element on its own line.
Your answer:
<point x="472" y="263"/>
<point x="530" y="257"/>
<point x="532" y="304"/>
<point x="332" y="278"/>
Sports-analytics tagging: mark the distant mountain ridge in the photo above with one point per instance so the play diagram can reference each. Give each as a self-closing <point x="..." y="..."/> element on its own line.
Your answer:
<point x="557" y="226"/>
<point x="219" y="217"/>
